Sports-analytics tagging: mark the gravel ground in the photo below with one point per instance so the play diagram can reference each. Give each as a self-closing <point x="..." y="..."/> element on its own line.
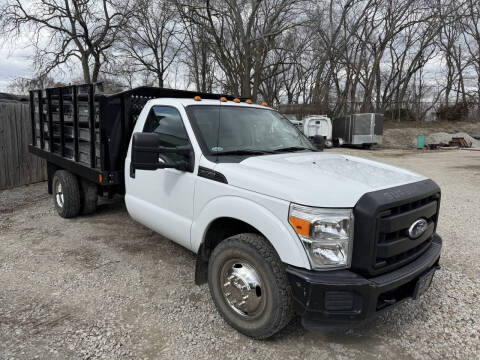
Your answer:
<point x="104" y="286"/>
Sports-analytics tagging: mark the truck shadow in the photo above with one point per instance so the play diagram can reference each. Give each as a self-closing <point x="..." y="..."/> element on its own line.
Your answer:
<point x="366" y="341"/>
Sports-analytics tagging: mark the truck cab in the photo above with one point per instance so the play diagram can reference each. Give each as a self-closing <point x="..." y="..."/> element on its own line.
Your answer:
<point x="279" y="228"/>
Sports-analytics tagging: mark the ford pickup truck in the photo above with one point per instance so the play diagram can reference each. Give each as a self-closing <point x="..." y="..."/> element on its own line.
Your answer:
<point x="279" y="227"/>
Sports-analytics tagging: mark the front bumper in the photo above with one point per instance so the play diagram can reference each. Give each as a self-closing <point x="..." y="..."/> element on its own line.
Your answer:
<point x="342" y="299"/>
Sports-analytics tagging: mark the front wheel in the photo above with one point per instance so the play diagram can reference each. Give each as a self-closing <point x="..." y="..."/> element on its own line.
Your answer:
<point x="249" y="286"/>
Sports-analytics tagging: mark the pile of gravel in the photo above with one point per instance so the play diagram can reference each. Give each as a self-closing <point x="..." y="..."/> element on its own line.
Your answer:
<point x="445" y="138"/>
<point x="401" y="136"/>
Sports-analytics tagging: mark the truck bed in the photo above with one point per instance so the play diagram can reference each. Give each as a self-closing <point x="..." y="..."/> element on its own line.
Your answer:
<point x="83" y="130"/>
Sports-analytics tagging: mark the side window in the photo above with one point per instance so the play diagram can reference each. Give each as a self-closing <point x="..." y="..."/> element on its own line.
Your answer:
<point x="167" y="122"/>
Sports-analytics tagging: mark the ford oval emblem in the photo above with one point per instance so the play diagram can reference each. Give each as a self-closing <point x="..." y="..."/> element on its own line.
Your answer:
<point x="417" y="228"/>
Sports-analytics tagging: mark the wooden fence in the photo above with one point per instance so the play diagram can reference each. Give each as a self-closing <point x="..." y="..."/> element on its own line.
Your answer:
<point x="17" y="165"/>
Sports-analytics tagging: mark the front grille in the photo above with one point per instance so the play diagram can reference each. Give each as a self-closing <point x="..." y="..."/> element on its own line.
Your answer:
<point x="394" y="247"/>
<point x="382" y="220"/>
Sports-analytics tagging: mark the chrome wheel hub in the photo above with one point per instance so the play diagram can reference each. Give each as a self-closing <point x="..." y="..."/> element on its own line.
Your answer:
<point x="242" y="288"/>
<point x="59" y="194"/>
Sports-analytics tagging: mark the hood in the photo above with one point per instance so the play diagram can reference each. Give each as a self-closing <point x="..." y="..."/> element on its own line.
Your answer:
<point x="315" y="178"/>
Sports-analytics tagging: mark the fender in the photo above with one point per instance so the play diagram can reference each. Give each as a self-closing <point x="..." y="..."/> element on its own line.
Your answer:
<point x="283" y="239"/>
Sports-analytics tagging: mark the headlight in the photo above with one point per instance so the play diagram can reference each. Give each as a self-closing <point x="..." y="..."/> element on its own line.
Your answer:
<point x="326" y="234"/>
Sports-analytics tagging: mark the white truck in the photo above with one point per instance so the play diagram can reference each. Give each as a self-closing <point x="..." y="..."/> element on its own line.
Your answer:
<point x="279" y="228"/>
<point x="318" y="125"/>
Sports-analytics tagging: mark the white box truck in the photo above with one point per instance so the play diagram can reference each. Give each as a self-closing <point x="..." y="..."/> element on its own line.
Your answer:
<point x="318" y="125"/>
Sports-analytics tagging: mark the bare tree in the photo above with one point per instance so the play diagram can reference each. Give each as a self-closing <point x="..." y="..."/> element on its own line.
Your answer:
<point x="367" y="54"/>
<point x="199" y="52"/>
<point x="67" y="30"/>
<point x="22" y="85"/>
<point x="471" y="33"/>
<point x="335" y="24"/>
<point x="242" y="34"/>
<point x="124" y="70"/>
<point x="343" y="55"/>
<point x="152" y="38"/>
<point x="453" y="49"/>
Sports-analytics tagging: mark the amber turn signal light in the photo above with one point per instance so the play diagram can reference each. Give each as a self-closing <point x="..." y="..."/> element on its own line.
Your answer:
<point x="301" y="226"/>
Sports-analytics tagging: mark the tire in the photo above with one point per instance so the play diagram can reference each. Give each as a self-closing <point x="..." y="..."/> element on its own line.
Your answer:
<point x="318" y="142"/>
<point x="66" y="194"/>
<point x="88" y="197"/>
<point x="268" y="307"/>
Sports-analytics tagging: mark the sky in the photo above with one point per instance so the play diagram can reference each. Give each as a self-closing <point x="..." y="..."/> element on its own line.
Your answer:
<point x="15" y="61"/>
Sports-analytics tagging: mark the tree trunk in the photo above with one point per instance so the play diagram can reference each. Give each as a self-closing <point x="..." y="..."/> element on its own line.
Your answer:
<point x="96" y="68"/>
<point x="86" y="69"/>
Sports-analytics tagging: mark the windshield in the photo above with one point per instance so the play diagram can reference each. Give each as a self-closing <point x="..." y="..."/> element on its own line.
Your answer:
<point x="234" y="129"/>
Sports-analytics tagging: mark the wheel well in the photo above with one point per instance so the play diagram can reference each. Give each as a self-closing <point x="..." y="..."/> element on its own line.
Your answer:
<point x="223" y="228"/>
<point x="219" y="230"/>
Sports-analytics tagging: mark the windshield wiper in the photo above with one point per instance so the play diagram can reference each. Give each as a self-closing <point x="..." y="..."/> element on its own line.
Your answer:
<point x="244" y="152"/>
<point x="291" y="149"/>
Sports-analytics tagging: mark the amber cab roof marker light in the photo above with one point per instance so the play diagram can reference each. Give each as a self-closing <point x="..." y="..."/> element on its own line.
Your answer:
<point x="249" y="101"/>
<point x="264" y="103"/>
<point x="237" y="100"/>
<point x="197" y="98"/>
<point x="223" y="99"/>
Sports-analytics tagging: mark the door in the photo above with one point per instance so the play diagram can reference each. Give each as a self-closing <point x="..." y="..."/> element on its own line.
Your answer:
<point x="162" y="199"/>
<point x="311" y="127"/>
<point x="362" y="129"/>
<point x="317" y="126"/>
<point x="323" y="128"/>
<point x="377" y="128"/>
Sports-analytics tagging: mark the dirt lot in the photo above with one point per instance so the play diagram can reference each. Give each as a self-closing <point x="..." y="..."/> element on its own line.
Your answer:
<point x="104" y="286"/>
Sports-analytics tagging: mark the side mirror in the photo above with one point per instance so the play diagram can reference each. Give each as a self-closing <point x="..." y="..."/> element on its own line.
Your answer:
<point x="319" y="142"/>
<point x="148" y="154"/>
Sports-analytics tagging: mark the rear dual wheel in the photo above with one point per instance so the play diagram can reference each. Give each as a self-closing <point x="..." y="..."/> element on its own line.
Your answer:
<point x="249" y="286"/>
<point x="88" y="197"/>
<point x="66" y="193"/>
<point x="73" y="197"/>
